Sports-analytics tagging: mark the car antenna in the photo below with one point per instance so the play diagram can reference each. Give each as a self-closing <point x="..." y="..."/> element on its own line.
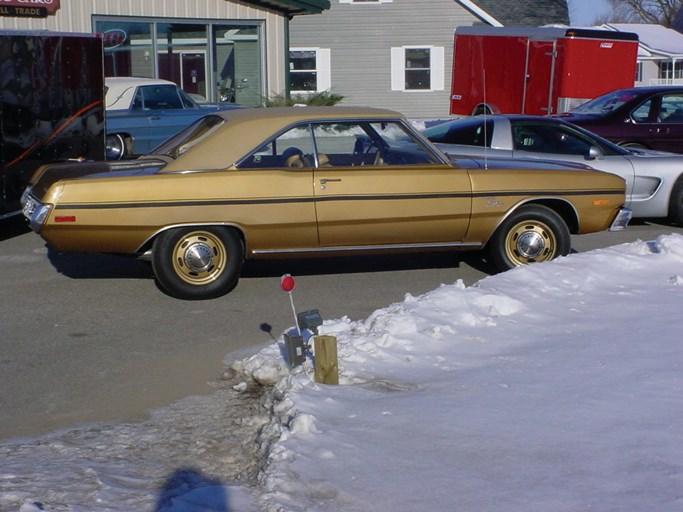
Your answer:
<point x="486" y="162"/>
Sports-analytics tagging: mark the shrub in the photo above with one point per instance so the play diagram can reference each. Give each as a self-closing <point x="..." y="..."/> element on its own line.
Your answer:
<point x="318" y="99"/>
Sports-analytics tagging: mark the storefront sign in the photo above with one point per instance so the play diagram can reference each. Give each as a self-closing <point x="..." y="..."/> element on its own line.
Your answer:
<point x="28" y="8"/>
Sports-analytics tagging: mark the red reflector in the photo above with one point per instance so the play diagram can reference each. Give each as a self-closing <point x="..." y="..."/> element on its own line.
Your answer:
<point x="65" y="218"/>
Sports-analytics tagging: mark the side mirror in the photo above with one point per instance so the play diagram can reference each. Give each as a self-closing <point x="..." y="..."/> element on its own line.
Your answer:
<point x="594" y="153"/>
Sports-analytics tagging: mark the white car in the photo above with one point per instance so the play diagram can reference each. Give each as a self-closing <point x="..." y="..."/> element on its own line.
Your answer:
<point x="654" y="180"/>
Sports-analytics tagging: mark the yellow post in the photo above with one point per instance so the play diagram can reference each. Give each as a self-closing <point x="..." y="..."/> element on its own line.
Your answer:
<point x="326" y="367"/>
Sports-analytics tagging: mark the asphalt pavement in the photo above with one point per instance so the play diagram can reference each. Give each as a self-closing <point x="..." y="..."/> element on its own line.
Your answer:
<point x="89" y="338"/>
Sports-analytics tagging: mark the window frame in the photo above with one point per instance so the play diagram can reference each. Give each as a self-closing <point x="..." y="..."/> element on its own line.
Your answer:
<point x="322" y="69"/>
<point x="436" y="68"/>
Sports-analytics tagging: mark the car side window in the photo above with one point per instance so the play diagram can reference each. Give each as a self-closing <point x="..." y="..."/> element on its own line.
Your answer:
<point x="641" y="114"/>
<point x="547" y="138"/>
<point x="365" y="143"/>
<point x="293" y="149"/>
<point x="341" y="144"/>
<point x="469" y="132"/>
<point x="671" y="109"/>
<point x="160" y="97"/>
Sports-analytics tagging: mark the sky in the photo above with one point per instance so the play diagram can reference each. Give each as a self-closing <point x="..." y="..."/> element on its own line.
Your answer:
<point x="585" y="12"/>
<point x="551" y="387"/>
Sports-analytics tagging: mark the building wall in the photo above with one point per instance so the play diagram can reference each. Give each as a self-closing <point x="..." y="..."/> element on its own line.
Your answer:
<point x="76" y="16"/>
<point x="360" y="38"/>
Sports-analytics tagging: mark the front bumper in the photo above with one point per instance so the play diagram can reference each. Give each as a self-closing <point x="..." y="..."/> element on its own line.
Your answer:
<point x="621" y="220"/>
<point x="34" y="211"/>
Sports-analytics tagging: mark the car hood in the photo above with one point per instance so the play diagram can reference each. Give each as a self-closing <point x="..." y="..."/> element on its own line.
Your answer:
<point x="479" y="162"/>
<point x="651" y="153"/>
<point x="47" y="175"/>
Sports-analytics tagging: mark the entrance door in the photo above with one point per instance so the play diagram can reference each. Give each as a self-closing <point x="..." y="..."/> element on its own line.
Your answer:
<point x="247" y="73"/>
<point x="193" y="73"/>
<point x="538" y="92"/>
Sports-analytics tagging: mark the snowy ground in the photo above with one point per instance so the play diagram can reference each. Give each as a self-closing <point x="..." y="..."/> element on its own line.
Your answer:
<point x="555" y="387"/>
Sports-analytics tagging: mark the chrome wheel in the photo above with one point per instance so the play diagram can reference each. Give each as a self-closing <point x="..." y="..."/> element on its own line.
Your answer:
<point x="198" y="263"/>
<point x="114" y="147"/>
<point x="532" y="234"/>
<point x="529" y="242"/>
<point x="199" y="258"/>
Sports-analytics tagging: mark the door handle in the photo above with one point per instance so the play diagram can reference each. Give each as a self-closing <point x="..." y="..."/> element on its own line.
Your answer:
<point x="325" y="181"/>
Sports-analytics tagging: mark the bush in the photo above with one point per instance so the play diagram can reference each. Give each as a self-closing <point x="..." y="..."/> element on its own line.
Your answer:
<point x="318" y="99"/>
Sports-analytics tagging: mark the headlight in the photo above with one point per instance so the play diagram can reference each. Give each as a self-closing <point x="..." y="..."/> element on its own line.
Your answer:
<point x="35" y="211"/>
<point x="24" y="196"/>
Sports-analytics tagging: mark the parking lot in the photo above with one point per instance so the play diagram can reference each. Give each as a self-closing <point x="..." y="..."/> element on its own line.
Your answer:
<point x="90" y="337"/>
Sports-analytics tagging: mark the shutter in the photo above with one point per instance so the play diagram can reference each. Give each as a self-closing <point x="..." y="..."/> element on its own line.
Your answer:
<point x="323" y="65"/>
<point x="437" y="68"/>
<point x="398" y="75"/>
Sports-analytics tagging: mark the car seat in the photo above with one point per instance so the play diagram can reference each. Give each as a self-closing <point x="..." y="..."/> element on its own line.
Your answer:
<point x="293" y="157"/>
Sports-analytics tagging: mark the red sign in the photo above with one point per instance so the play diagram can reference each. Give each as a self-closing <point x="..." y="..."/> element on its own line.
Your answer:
<point x="19" y="6"/>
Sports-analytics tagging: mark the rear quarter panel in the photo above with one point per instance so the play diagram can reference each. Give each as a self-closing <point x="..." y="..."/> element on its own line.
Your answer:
<point x="272" y="208"/>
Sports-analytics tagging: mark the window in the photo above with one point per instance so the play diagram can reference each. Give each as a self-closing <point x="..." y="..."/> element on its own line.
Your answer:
<point x="548" y="138"/>
<point x="671" y="70"/>
<point x="159" y="97"/>
<point x="342" y="144"/>
<point x="639" y="72"/>
<point x="671" y="110"/>
<point x="309" y="70"/>
<point x="213" y="61"/>
<point x="475" y="131"/>
<point x="417" y="68"/>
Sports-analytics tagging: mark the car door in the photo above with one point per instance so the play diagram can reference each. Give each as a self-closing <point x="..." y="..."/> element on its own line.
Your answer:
<point x="376" y="184"/>
<point x="557" y="141"/>
<point x="666" y="130"/>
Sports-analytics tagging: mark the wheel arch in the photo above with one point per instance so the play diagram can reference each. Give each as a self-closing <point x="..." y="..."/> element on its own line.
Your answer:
<point x="486" y="108"/>
<point x="562" y="207"/>
<point x="145" y="249"/>
<point x="128" y="142"/>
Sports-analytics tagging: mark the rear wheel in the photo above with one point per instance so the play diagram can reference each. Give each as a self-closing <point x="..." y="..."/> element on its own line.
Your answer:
<point x="197" y="263"/>
<point x="676" y="202"/>
<point x="531" y="234"/>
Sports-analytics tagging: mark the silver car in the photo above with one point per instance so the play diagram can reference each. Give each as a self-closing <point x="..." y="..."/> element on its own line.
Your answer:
<point x="654" y="180"/>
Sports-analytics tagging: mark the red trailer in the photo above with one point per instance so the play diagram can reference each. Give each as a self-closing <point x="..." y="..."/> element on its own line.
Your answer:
<point x="539" y="71"/>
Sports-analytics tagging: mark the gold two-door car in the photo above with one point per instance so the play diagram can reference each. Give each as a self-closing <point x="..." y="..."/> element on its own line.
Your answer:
<point x="312" y="181"/>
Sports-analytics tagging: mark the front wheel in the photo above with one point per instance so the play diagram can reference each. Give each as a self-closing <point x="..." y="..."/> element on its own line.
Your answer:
<point x="676" y="203"/>
<point x="114" y="147"/>
<point x="197" y="263"/>
<point x="531" y="234"/>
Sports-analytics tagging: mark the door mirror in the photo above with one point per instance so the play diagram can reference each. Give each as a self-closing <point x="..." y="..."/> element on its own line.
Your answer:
<point x="594" y="153"/>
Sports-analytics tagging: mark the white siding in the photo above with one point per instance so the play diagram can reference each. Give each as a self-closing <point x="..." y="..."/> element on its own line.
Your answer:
<point x="360" y="38"/>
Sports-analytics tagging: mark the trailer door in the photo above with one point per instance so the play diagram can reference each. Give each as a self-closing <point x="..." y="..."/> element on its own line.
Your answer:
<point x="540" y="74"/>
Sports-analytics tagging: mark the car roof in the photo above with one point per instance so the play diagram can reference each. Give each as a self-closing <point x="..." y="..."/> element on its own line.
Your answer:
<point x="127" y="81"/>
<point x="249" y="128"/>
<point x="120" y="89"/>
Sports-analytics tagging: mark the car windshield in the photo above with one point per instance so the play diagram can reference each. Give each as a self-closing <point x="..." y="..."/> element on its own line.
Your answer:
<point x="606" y="103"/>
<point x="189" y="137"/>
